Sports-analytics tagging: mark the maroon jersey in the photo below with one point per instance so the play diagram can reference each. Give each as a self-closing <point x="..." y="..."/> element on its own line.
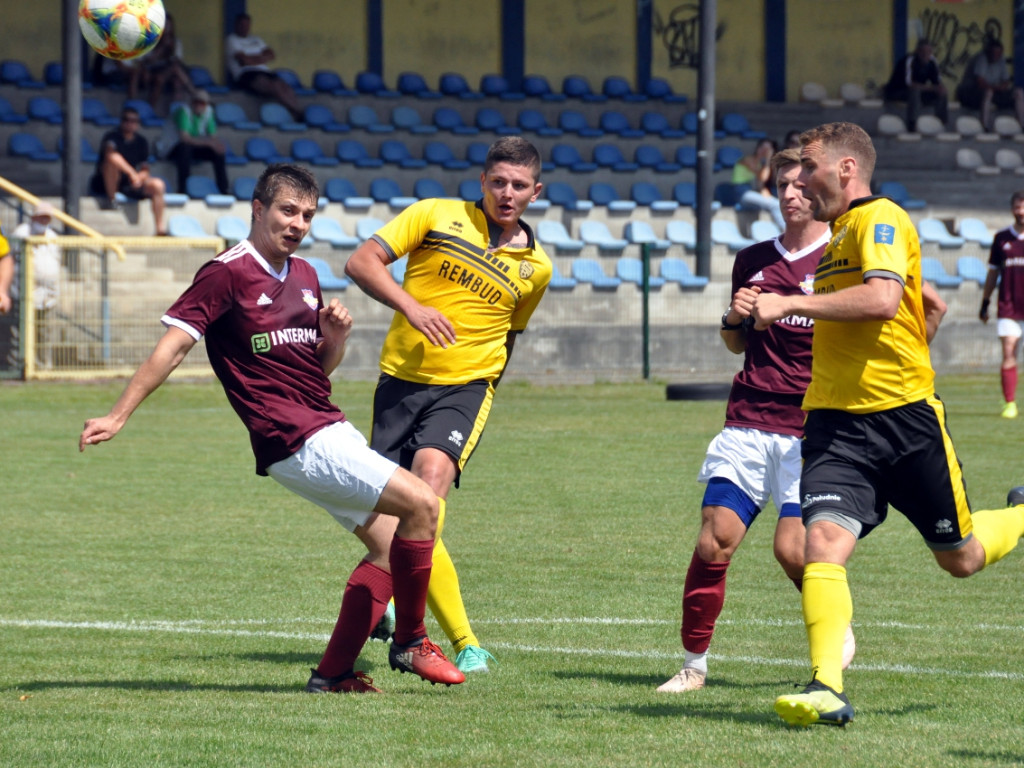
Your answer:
<point x="768" y="392"/>
<point x="1007" y="254"/>
<point x="261" y="335"/>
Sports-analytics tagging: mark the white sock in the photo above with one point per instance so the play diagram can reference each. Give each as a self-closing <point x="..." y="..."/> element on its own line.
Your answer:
<point x="697" y="661"/>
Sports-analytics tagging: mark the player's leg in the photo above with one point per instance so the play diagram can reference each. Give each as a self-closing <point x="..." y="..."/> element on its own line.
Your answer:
<point x="1009" y="339"/>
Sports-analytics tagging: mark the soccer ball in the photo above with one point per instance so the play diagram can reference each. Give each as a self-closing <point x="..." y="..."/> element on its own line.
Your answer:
<point x="121" y="29"/>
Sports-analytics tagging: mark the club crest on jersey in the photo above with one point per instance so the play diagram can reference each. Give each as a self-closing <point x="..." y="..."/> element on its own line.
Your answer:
<point x="310" y="299"/>
<point x="885" y="234"/>
<point x="807" y="285"/>
<point x="525" y="270"/>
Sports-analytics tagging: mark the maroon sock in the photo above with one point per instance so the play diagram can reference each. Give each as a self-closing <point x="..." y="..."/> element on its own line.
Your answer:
<point x="411" y="561"/>
<point x="703" y="598"/>
<point x="1009" y="379"/>
<point x="366" y="598"/>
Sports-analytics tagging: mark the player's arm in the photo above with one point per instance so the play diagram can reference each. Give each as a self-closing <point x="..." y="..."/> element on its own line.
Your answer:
<point x="877" y="298"/>
<point x="165" y="357"/>
<point x="335" y="326"/>
<point x="934" y="309"/>
<point x="367" y="268"/>
<point x="6" y="279"/>
<point x="991" y="280"/>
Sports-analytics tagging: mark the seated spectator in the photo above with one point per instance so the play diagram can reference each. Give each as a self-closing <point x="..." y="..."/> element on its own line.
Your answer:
<point x="46" y="260"/>
<point x="114" y="73"/>
<point x="916" y="80"/>
<point x="755" y="170"/>
<point x="247" y="57"/>
<point x="123" y="166"/>
<point x="987" y="86"/>
<point x="164" y="67"/>
<point x="196" y="141"/>
<point x="792" y="140"/>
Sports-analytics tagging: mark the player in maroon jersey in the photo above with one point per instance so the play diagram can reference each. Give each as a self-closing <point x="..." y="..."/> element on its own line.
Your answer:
<point x="1006" y="267"/>
<point x="757" y="455"/>
<point x="273" y="343"/>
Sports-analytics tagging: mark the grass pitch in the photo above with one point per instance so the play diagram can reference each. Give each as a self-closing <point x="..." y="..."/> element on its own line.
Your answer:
<point x="161" y="605"/>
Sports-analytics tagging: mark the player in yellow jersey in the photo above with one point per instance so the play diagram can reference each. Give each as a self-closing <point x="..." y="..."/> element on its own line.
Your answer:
<point x="875" y="433"/>
<point x="474" y="276"/>
<point x="6" y="275"/>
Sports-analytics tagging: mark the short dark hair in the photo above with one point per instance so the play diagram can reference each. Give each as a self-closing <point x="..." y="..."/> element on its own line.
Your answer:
<point x="129" y="111"/>
<point x="845" y="137"/>
<point x="1016" y="197"/>
<point x="279" y="176"/>
<point x="514" y="150"/>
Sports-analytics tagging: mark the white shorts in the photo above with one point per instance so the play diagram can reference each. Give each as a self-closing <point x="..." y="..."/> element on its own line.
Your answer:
<point x="1007" y="327"/>
<point x="762" y="464"/>
<point x="335" y="469"/>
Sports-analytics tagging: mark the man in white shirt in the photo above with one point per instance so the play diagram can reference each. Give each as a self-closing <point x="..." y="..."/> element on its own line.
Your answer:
<point x="247" y="57"/>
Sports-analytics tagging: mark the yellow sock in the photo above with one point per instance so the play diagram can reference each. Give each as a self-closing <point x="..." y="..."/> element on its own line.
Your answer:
<point x="998" y="531"/>
<point x="445" y="600"/>
<point x="828" y="609"/>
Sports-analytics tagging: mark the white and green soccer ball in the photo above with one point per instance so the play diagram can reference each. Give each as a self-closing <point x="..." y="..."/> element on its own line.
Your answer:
<point x="121" y="29"/>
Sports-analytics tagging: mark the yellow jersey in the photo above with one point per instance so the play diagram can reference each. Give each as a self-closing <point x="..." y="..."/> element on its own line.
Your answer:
<point x="484" y="293"/>
<point x="870" y="366"/>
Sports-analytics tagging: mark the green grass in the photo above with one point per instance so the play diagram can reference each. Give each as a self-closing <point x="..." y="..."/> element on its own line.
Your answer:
<point x="161" y="605"/>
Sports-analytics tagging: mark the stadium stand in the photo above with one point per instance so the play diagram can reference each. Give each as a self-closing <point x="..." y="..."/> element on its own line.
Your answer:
<point x="933" y="271"/>
<point x="631" y="270"/>
<point x="678" y="271"/>
<point x="589" y="271"/>
<point x="971" y="268"/>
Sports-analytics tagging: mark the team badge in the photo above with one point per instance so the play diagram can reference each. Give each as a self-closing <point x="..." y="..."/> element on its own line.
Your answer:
<point x="807" y="285"/>
<point x="525" y="270"/>
<point x="885" y="234"/>
<point x="310" y="299"/>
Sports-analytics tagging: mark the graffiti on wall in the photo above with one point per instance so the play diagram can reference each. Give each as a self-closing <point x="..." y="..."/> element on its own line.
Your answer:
<point x="954" y="41"/>
<point x="680" y="35"/>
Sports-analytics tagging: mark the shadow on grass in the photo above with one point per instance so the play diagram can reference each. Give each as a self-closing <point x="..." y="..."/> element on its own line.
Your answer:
<point x="168" y="686"/>
<point x="1008" y="758"/>
<point x="652" y="681"/>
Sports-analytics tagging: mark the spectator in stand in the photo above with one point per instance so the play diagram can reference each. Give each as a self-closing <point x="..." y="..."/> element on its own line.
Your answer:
<point x="123" y="166"/>
<point x="916" y="80"/>
<point x="987" y="86"/>
<point x="792" y="140"/>
<point x="164" y="67"/>
<point x="46" y="259"/>
<point x="6" y="275"/>
<point x="755" y="170"/>
<point x="247" y="57"/>
<point x="196" y="126"/>
<point x="1006" y="269"/>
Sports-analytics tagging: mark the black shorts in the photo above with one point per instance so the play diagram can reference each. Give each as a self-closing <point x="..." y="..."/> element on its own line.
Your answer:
<point x="124" y="186"/>
<point x="408" y="416"/>
<point x="245" y="80"/>
<point x="856" y="465"/>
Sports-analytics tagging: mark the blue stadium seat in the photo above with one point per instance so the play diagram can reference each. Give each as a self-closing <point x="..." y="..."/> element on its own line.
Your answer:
<point x="86" y="153"/>
<point x="533" y="120"/>
<point x="328" y="230"/>
<point x="593" y="232"/>
<point x="454" y="84"/>
<point x="675" y="270"/>
<point x="615" y="87"/>
<point x="553" y="233"/>
<point x="413" y="84"/>
<point x="309" y="151"/>
<point x="386" y="190"/>
<point x="630" y="269"/>
<point x="29" y="146"/>
<point x="340" y="190"/>
<point x="17" y="73"/>
<point x="972" y="268"/>
<point x="232" y="228"/>
<point x="11" y="116"/>
<point x="330" y="82"/>
<point x="560" y="193"/>
<point x="727" y="156"/>
<point x="650" y="156"/>
<point x="325" y="275"/>
<point x="682" y="233"/>
<point x="44" y="109"/>
<point x="639" y="232"/>
<point x="148" y="116"/>
<point x="184" y="225"/>
<point x="292" y="79"/>
<point x="764" y="229"/>
<point x="538" y="87"/>
<point x="578" y="87"/>
<point x="573" y="121"/>
<point x="397" y="269"/>
<point x="364" y="117"/>
<point x="604" y="194"/>
<point x="407" y="118"/>
<point x="896" y="192"/>
<point x="497" y="87"/>
<point x="608" y="155"/>
<point x="395" y="152"/>
<point x="53" y="73"/>
<point x="204" y="188"/>
<point x="724" y="232"/>
<point x="243" y="187"/>
<point x="260" y="149"/>
<point x="476" y="153"/>
<point x="424" y="188"/>
<point x="321" y="117"/>
<point x="975" y="231"/>
<point x="933" y="271"/>
<point x="200" y="77"/>
<point x="931" y="230"/>
<point x="728" y="194"/>
<point x="469" y="190"/>
<point x="560" y="282"/>
<point x="352" y="151"/>
<point x="685" y="193"/>
<point x="367" y="226"/>
<point x="372" y="84"/>
<point x="657" y="123"/>
<point x="230" y="114"/>
<point x="567" y="156"/>
<point x="658" y="88"/>
<point x="647" y="194"/>
<point x="491" y="120"/>
<point x="439" y="153"/>
<point x="95" y="111"/>
<point x="586" y="270"/>
<point x="686" y="155"/>
<point x="736" y="124"/>
<point x="448" y="119"/>
<point x="612" y="121"/>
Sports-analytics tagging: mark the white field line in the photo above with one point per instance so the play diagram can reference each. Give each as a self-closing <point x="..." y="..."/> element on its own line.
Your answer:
<point x="232" y="628"/>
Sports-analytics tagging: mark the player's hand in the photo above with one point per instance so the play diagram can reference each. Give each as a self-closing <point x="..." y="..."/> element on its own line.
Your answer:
<point x="98" y="431"/>
<point x="5" y="303"/>
<point x="743" y="300"/>
<point x="768" y="307"/>
<point x="983" y="312"/>
<point x="335" y="322"/>
<point x="432" y="324"/>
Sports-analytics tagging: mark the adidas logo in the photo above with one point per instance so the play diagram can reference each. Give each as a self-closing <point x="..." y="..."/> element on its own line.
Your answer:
<point x="455" y="437"/>
<point x="263" y="300"/>
<point x="758" y="278"/>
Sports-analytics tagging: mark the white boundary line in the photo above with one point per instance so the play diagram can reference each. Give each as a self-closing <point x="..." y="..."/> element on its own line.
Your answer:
<point x="231" y="628"/>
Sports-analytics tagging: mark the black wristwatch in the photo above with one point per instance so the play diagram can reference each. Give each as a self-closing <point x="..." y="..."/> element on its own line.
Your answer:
<point x="726" y="325"/>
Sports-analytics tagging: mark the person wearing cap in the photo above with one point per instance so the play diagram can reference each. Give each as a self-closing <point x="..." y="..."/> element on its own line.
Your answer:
<point x="46" y="259"/>
<point x="197" y="141"/>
